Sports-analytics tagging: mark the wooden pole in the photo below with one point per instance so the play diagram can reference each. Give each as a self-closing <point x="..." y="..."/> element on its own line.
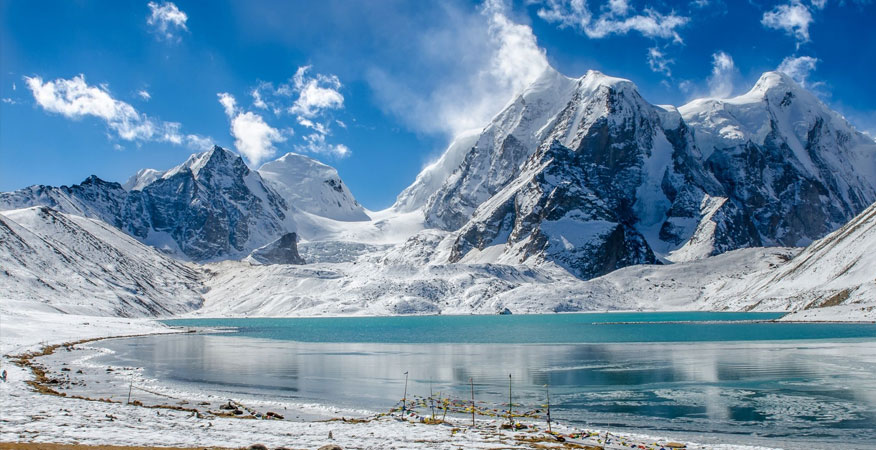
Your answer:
<point x="431" y="399"/>
<point x="548" y="391"/>
<point x="510" y="404"/>
<point x="130" y="388"/>
<point x="405" y="397"/>
<point x="471" y="382"/>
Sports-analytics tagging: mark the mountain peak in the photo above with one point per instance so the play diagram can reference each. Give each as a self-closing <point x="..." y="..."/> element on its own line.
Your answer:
<point x="594" y="79"/>
<point x="297" y="158"/>
<point x="141" y="179"/>
<point x="549" y="79"/>
<point x="312" y="186"/>
<point x="774" y="80"/>
<point x="215" y="157"/>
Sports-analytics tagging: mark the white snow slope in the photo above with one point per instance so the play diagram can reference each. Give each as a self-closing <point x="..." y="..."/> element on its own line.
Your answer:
<point x="312" y="186"/>
<point x="54" y="262"/>
<point x="834" y="278"/>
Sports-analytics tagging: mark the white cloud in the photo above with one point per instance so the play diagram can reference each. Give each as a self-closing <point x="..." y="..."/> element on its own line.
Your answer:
<point x="253" y="137"/>
<point x="798" y="67"/>
<point x="75" y="99"/>
<point x="315" y="94"/>
<point x="257" y="99"/>
<point x="819" y="4"/>
<point x="686" y="86"/>
<point x="518" y="60"/>
<point x="617" y="18"/>
<point x="476" y="63"/>
<point x="793" y="18"/>
<point x="8" y="101"/>
<point x="313" y="97"/>
<point x="144" y="94"/>
<point x="197" y="142"/>
<point x="315" y="126"/>
<point x="658" y="61"/>
<point x="723" y="72"/>
<point x="618" y="7"/>
<point x="315" y="143"/>
<point x="166" y="20"/>
<point x="228" y="103"/>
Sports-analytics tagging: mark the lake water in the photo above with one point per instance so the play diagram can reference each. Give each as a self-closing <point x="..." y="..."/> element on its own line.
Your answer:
<point x="709" y="377"/>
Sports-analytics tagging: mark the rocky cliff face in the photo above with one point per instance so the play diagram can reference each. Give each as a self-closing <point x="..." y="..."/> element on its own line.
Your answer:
<point x="794" y="167"/>
<point x="615" y="180"/>
<point x="498" y="153"/>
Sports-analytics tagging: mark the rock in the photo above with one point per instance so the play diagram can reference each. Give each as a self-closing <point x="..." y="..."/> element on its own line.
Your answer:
<point x="281" y="251"/>
<point x="257" y="447"/>
<point x="331" y="447"/>
<point x="505" y="312"/>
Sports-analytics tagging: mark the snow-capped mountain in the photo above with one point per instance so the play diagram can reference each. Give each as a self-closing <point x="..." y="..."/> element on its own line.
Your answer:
<point x="586" y="174"/>
<point x="795" y="168"/>
<point x="210" y="207"/>
<point x="431" y="178"/>
<point x="64" y="263"/>
<point x="496" y="156"/>
<point x="312" y="187"/>
<point x="580" y="172"/>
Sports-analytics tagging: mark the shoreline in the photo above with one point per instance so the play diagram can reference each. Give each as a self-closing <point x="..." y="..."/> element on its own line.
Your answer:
<point x="111" y="422"/>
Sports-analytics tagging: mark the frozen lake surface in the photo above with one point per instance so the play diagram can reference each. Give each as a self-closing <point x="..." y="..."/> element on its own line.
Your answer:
<point x="707" y="377"/>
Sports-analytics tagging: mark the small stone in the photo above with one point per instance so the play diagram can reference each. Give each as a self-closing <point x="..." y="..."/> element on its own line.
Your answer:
<point x="331" y="447"/>
<point x="257" y="447"/>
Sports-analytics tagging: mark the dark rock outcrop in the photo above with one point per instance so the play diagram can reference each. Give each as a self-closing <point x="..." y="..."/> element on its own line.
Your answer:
<point x="281" y="251"/>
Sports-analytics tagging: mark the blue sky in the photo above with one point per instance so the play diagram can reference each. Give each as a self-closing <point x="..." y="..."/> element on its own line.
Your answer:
<point x="378" y="88"/>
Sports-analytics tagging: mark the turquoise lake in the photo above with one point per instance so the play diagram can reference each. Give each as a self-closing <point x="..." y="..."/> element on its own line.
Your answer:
<point x="709" y="377"/>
